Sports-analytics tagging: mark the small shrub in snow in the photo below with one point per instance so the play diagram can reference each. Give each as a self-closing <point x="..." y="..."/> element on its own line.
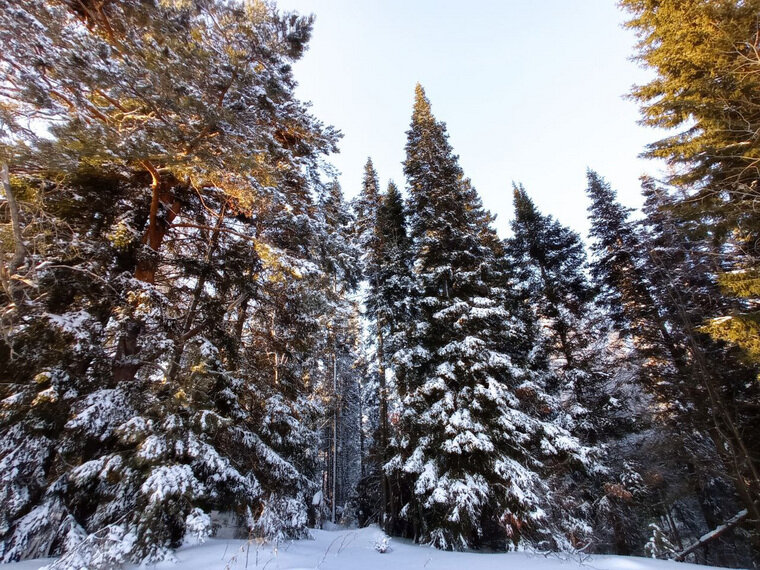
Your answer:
<point x="198" y="525"/>
<point x="659" y="545"/>
<point x="382" y="544"/>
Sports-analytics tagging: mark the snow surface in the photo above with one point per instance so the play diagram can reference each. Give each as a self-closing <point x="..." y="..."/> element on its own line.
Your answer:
<point x="352" y="549"/>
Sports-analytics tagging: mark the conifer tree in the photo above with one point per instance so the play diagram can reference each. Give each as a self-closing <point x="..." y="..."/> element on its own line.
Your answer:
<point x="387" y="307"/>
<point x="552" y="259"/>
<point x="618" y="272"/>
<point x="658" y="287"/>
<point x="704" y="56"/>
<point x="711" y="95"/>
<point x="341" y="442"/>
<point x="462" y="456"/>
<point x="367" y="207"/>
<point x="175" y="283"/>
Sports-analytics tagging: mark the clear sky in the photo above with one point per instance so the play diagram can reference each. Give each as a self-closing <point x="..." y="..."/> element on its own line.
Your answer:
<point x="531" y="92"/>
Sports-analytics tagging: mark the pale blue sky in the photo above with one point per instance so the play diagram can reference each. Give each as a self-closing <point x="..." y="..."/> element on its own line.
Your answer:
<point x="530" y="91"/>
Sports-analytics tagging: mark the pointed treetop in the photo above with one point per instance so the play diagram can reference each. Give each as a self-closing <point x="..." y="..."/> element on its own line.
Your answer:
<point x="393" y="202"/>
<point x="392" y="219"/>
<point x="523" y="203"/>
<point x="422" y="112"/>
<point x="604" y="202"/>
<point x="334" y="191"/>
<point x="370" y="186"/>
<point x="392" y="189"/>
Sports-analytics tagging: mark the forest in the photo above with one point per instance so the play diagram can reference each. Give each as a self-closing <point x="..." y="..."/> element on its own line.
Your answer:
<point x="199" y="329"/>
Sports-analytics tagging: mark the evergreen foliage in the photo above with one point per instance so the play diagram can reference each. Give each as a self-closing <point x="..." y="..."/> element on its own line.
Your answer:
<point x="464" y="431"/>
<point x="183" y="339"/>
<point x="660" y="278"/>
<point x="164" y="331"/>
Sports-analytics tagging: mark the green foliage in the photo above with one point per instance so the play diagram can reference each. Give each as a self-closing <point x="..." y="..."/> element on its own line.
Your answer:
<point x="705" y="58"/>
<point x="742" y="283"/>
<point x="474" y="434"/>
<point x="739" y="328"/>
<point x="133" y="406"/>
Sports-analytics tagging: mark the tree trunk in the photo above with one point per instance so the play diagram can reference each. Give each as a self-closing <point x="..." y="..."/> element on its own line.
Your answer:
<point x="383" y="435"/>
<point x="713" y="534"/>
<point x="164" y="207"/>
<point x="20" y="249"/>
<point x="726" y="434"/>
<point x="126" y="362"/>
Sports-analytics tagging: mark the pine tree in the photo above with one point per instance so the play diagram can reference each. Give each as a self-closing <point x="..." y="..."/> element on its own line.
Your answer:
<point x="704" y="58"/>
<point x="618" y="272"/>
<point x="175" y="285"/>
<point x="712" y="96"/>
<point x="394" y="269"/>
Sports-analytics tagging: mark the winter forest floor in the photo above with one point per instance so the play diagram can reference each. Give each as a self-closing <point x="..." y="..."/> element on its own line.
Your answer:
<point x="352" y="549"/>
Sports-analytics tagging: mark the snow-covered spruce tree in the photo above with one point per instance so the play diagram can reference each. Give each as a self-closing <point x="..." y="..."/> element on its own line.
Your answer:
<point x="468" y="454"/>
<point x="381" y="228"/>
<point x="618" y="273"/>
<point x="381" y="235"/>
<point x="658" y="285"/>
<point x="369" y="240"/>
<point x="163" y="337"/>
<point x="394" y="270"/>
<point x="338" y="378"/>
<point x="551" y="259"/>
<point x="550" y="262"/>
<point x="392" y="305"/>
<point x="367" y="230"/>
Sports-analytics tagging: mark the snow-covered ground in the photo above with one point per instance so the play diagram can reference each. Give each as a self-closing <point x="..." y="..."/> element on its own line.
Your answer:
<point x="352" y="549"/>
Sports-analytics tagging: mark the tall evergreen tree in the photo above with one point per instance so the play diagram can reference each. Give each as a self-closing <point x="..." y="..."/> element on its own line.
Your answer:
<point x="370" y="240"/>
<point x="340" y="384"/>
<point x="704" y="56"/>
<point x="618" y="272"/>
<point x="552" y="259"/>
<point x="655" y="284"/>
<point x="712" y="96"/>
<point x="177" y="304"/>
<point x="468" y="478"/>
<point x="387" y="308"/>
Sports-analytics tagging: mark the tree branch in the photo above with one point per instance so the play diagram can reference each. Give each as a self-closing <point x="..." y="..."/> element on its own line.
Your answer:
<point x="713" y="534"/>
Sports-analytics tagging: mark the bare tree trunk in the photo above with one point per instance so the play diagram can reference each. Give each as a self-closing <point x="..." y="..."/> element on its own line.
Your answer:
<point x="335" y="433"/>
<point x="240" y="323"/>
<point x="20" y="249"/>
<point x="383" y="435"/>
